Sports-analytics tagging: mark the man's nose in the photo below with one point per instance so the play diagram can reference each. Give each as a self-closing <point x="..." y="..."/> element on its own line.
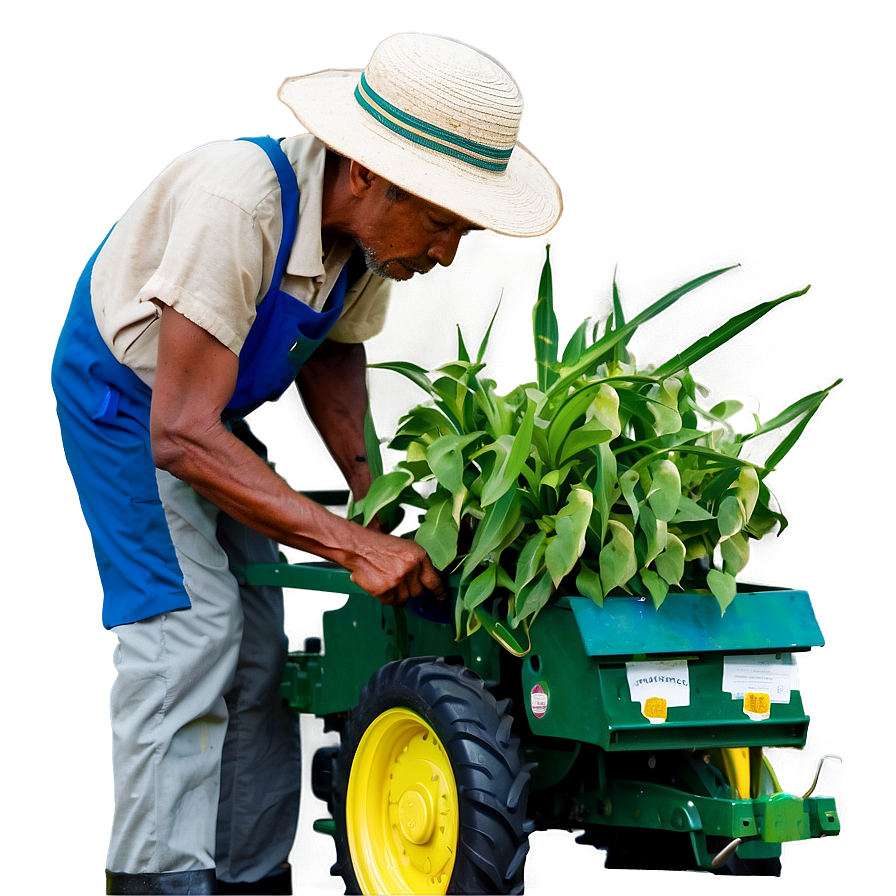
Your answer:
<point x="444" y="248"/>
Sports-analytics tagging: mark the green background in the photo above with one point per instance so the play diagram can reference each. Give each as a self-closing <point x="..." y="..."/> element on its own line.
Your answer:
<point x="685" y="136"/>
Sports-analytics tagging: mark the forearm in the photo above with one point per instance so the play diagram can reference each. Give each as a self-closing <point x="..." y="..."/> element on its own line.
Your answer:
<point x="195" y="378"/>
<point x="224" y="470"/>
<point x="333" y="386"/>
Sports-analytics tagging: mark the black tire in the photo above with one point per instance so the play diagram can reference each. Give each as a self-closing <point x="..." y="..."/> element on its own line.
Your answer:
<point x="491" y="782"/>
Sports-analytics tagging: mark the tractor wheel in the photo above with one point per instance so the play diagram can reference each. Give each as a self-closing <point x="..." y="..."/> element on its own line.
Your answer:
<point x="429" y="790"/>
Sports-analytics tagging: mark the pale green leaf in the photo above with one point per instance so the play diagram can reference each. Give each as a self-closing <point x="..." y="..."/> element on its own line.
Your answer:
<point x="628" y="481"/>
<point x="533" y="597"/>
<point x="731" y="516"/>
<point x="605" y="488"/>
<point x="445" y="458"/>
<point x="656" y="532"/>
<point x="689" y="511"/>
<point x="582" y="438"/>
<point x="670" y="563"/>
<point x="725" y="409"/>
<point x="564" y="549"/>
<point x="748" y="490"/>
<point x="617" y="557"/>
<point x="437" y="534"/>
<point x="658" y="587"/>
<point x="588" y="583"/>
<point x="735" y="553"/>
<point x="383" y="491"/>
<point x="722" y="586"/>
<point x="480" y="588"/>
<point x="665" y="489"/>
<point x="663" y="405"/>
<point x="605" y="409"/>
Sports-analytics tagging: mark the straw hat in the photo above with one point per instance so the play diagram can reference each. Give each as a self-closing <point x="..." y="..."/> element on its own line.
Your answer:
<point x="439" y="119"/>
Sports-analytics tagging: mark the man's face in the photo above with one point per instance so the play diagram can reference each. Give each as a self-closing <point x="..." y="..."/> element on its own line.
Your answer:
<point x="402" y="235"/>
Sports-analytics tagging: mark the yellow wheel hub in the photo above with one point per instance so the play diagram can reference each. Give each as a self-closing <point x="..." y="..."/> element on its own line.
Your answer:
<point x="401" y="807"/>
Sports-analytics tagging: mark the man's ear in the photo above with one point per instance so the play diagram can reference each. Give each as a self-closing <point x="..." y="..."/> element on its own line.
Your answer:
<point x="361" y="179"/>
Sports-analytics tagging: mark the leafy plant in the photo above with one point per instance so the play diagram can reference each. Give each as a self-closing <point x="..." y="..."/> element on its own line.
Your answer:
<point x="598" y="477"/>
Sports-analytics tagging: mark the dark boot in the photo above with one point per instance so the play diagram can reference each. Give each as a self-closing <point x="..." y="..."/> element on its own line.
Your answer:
<point x="277" y="884"/>
<point x="171" y="883"/>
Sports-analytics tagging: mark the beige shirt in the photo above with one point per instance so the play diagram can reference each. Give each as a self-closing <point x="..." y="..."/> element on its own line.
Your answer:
<point x="203" y="239"/>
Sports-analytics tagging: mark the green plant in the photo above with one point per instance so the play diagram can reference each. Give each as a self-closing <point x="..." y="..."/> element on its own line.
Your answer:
<point x="597" y="477"/>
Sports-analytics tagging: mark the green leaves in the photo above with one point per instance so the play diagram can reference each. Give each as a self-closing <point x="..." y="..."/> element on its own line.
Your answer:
<point x="599" y="478"/>
<point x="544" y="327"/>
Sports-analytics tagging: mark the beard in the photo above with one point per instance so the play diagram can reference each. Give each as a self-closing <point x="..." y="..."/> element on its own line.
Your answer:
<point x="385" y="267"/>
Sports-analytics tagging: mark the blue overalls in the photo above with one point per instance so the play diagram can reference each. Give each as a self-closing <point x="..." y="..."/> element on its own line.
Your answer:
<point x="104" y="409"/>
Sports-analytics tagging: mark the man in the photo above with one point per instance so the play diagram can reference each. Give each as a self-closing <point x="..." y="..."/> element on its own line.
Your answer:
<point x="238" y="271"/>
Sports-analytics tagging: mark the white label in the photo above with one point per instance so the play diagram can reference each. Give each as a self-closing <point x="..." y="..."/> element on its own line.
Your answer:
<point x="538" y="700"/>
<point x="760" y="681"/>
<point x="657" y="685"/>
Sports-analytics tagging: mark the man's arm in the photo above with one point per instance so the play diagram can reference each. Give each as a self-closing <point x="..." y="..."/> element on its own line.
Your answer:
<point x="195" y="378"/>
<point x="333" y="386"/>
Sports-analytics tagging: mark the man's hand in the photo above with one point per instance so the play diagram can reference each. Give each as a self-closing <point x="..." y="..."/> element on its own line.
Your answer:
<point x="395" y="570"/>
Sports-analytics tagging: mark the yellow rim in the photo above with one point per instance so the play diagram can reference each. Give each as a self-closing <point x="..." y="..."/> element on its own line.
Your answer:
<point x="401" y="807"/>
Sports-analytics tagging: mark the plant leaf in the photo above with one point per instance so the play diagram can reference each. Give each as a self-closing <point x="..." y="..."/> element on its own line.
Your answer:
<point x="670" y="563"/>
<point x="533" y="597"/>
<point x="498" y="522"/>
<point x="544" y="325"/>
<point x="617" y="557"/>
<point x="372" y="446"/>
<point x="446" y="460"/>
<point x="722" y="586"/>
<point x="735" y="553"/>
<point x="658" y="587"/>
<point x="413" y="372"/>
<point x="511" y="452"/>
<point x="689" y="511"/>
<point x="437" y="534"/>
<point x="530" y="560"/>
<point x="731" y="516"/>
<point x="481" y="588"/>
<point x="383" y="491"/>
<point x="588" y="583"/>
<point x="706" y="344"/>
<point x="628" y="481"/>
<point x="563" y="551"/>
<point x="656" y="532"/>
<point x="600" y="348"/>
<point x="665" y="489"/>
<point x="605" y="487"/>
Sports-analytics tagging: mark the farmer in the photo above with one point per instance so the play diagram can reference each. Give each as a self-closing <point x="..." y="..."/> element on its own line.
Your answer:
<point x="246" y="266"/>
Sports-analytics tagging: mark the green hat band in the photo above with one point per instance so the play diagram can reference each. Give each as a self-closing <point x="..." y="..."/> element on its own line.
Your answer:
<point x="428" y="135"/>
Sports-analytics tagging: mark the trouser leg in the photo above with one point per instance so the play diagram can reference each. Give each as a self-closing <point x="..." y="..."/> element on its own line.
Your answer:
<point x="258" y="809"/>
<point x="169" y="716"/>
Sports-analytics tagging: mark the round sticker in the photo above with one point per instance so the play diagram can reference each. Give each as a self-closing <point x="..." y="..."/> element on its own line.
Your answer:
<point x="538" y="700"/>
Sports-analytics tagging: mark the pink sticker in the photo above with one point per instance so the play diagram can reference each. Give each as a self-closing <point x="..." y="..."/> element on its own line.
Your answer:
<point x="538" y="699"/>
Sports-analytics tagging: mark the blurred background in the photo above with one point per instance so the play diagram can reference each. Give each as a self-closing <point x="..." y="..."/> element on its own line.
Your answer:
<point x="686" y="136"/>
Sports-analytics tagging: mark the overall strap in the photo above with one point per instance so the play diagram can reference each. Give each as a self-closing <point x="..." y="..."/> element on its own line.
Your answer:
<point x="289" y="200"/>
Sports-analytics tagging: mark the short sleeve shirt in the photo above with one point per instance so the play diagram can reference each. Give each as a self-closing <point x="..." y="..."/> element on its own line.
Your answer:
<point x="203" y="239"/>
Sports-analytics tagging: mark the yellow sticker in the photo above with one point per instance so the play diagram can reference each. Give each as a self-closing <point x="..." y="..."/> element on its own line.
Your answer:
<point x="655" y="709"/>
<point x="757" y="705"/>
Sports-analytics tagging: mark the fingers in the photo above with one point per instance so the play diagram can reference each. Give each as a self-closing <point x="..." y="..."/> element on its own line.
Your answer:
<point x="397" y="571"/>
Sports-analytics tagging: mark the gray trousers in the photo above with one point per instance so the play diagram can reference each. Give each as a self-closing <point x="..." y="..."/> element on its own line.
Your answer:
<point x="206" y="757"/>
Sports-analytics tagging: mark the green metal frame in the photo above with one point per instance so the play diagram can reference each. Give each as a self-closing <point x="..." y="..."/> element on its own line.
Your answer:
<point x="579" y="649"/>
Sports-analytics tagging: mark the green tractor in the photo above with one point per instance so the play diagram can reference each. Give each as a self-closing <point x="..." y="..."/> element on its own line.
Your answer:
<point x="641" y="730"/>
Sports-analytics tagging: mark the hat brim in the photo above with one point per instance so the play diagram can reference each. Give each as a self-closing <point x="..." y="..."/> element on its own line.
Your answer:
<point x="523" y="200"/>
